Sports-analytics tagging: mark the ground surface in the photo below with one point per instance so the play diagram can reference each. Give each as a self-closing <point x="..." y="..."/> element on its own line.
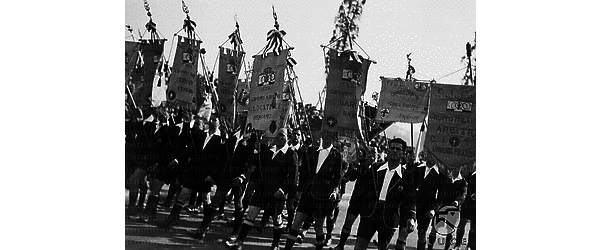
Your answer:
<point x="147" y="236"/>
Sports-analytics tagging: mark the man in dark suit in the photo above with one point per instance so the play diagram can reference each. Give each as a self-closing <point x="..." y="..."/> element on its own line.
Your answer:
<point x="154" y="140"/>
<point x="467" y="213"/>
<point x="237" y="147"/>
<point x="161" y="174"/>
<point x="388" y="198"/>
<point x="428" y="182"/>
<point x="293" y="198"/>
<point x="321" y="181"/>
<point x="273" y="175"/>
<point x="354" y="205"/>
<point x="453" y="193"/>
<point x="197" y="165"/>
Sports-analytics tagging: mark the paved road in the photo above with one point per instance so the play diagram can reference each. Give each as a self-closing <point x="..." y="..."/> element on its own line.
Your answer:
<point x="147" y="236"/>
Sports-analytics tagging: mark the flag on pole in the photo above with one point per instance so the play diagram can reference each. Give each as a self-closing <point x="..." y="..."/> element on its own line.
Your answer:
<point x="451" y="124"/>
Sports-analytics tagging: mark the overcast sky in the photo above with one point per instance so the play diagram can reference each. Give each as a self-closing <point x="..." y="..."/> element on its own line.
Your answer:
<point x="435" y="32"/>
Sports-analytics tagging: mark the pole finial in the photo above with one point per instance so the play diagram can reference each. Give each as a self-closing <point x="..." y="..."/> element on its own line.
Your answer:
<point x="275" y="17"/>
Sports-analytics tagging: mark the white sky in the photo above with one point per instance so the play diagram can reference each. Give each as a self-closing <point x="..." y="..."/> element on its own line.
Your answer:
<point x="435" y="32"/>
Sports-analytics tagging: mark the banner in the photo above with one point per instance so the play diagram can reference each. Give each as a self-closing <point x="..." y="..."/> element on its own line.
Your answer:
<point x="345" y="87"/>
<point x="131" y="58"/>
<point x="451" y="124"/>
<point x="182" y="82"/>
<point x="152" y="51"/>
<point x="402" y="101"/>
<point x="266" y="92"/>
<point x="230" y="63"/>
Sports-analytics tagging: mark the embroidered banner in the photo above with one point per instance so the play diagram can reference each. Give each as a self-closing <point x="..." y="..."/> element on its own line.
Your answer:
<point x="132" y="52"/>
<point x="402" y="101"/>
<point x="451" y="124"/>
<point x="230" y="62"/>
<point x="344" y="91"/>
<point x="266" y="92"/>
<point x="182" y="83"/>
<point x="151" y="51"/>
<point x="346" y="84"/>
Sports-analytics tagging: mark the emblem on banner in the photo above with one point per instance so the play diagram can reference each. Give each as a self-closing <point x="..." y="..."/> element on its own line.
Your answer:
<point x="331" y="121"/>
<point x="421" y="86"/>
<point x="231" y="67"/>
<point x="156" y="58"/>
<point x="188" y="56"/>
<point x="171" y="95"/>
<point x="459" y="106"/>
<point x="454" y="142"/>
<point x="350" y="75"/>
<point x="384" y="113"/>
<point x="446" y="220"/>
<point x="267" y="77"/>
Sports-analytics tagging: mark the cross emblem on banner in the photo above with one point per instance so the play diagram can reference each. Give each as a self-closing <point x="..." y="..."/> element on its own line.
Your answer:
<point x="331" y="121"/>
<point x="454" y="142"/>
<point x="384" y="113"/>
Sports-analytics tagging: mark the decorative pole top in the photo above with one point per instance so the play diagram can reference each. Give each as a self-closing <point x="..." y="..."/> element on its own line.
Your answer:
<point x="275" y="17"/>
<point x="188" y="24"/>
<point x="150" y="26"/>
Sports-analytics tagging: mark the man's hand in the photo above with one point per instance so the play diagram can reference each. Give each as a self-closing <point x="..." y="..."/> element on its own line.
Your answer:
<point x="333" y="196"/>
<point x="279" y="194"/>
<point x="430" y="214"/>
<point x="410" y="225"/>
<point x="238" y="181"/>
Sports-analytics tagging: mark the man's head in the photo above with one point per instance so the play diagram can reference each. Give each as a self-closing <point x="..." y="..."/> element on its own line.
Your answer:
<point x="213" y="123"/>
<point x="296" y="136"/>
<point x="429" y="159"/>
<point x="281" y="137"/>
<point x="396" y="150"/>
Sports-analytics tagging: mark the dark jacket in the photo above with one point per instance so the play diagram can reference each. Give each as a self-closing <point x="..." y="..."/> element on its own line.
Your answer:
<point x="400" y="199"/>
<point x="469" y="205"/>
<point x="236" y="158"/>
<point x="270" y="174"/>
<point x="453" y="191"/>
<point x="321" y="184"/>
<point x="427" y="188"/>
<point x="203" y="161"/>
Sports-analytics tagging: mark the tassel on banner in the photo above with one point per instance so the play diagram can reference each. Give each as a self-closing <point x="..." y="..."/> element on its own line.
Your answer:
<point x="274" y="37"/>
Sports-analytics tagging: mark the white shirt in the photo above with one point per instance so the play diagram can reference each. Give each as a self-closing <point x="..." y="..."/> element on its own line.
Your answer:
<point x="180" y="125"/>
<point x="296" y="148"/>
<point x="388" y="178"/>
<point x="428" y="169"/>
<point x="323" y="153"/>
<point x="239" y="138"/>
<point x="275" y="151"/>
<point x="457" y="178"/>
<point x="209" y="136"/>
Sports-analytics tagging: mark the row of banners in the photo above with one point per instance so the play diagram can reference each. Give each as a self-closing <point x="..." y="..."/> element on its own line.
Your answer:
<point x="448" y="110"/>
<point x="450" y="135"/>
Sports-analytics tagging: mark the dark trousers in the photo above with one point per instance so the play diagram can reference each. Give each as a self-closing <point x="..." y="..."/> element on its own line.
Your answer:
<point x="376" y="223"/>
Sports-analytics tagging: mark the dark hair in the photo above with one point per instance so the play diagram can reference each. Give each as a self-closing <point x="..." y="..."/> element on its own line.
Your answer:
<point x="398" y="140"/>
